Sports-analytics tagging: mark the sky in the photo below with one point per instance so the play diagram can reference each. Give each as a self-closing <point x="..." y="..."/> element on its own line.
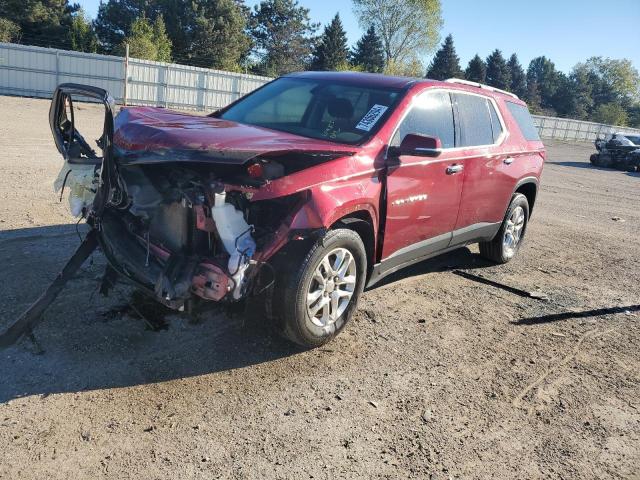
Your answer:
<point x="566" y="31"/>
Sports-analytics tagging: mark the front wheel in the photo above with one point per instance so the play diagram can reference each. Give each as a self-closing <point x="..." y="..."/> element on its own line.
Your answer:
<point x="507" y="241"/>
<point x="318" y="288"/>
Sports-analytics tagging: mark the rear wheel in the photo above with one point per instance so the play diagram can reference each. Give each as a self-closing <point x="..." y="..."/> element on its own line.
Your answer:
<point x="507" y="241"/>
<point x="319" y="287"/>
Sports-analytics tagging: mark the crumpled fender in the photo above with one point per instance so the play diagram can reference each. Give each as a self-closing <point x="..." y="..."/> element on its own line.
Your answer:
<point x="326" y="206"/>
<point x="335" y="189"/>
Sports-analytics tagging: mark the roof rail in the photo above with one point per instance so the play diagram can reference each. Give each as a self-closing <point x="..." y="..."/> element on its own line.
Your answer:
<point x="480" y="85"/>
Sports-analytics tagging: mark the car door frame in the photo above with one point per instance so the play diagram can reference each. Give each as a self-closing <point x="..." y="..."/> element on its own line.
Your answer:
<point x="458" y="237"/>
<point x="484" y="230"/>
<point x="428" y="247"/>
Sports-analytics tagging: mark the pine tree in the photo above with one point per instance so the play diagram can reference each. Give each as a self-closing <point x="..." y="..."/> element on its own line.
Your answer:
<point x="37" y="22"/>
<point x="331" y="52"/>
<point x="218" y="38"/>
<point x="518" y="77"/>
<point x="283" y="36"/>
<point x="9" y="31"/>
<point x="204" y="33"/>
<point x="498" y="71"/>
<point x="147" y="41"/>
<point x="161" y="40"/>
<point x="565" y="99"/>
<point x="544" y="72"/>
<point x="369" y="54"/>
<point x="81" y="34"/>
<point x="533" y="97"/>
<point x="583" y="90"/>
<point x="476" y="70"/>
<point x="446" y="63"/>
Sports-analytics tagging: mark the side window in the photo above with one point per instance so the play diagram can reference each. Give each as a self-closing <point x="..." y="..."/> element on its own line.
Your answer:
<point x="431" y="115"/>
<point x="523" y="119"/>
<point x="474" y="120"/>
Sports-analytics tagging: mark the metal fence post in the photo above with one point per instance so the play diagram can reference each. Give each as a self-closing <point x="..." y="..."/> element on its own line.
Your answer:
<point x="235" y="88"/>
<point x="57" y="68"/>
<point x="555" y="127"/>
<point x="126" y="75"/>
<point x="166" y="86"/>
<point x="202" y="86"/>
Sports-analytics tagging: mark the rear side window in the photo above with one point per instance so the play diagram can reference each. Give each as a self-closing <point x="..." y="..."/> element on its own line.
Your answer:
<point x="432" y="115"/>
<point x="524" y="121"/>
<point x="474" y="114"/>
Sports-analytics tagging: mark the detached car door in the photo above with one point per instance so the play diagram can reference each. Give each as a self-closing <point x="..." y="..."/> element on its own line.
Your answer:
<point x="423" y="193"/>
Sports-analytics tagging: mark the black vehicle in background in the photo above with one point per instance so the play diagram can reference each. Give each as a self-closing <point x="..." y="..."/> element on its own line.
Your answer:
<point x="619" y="150"/>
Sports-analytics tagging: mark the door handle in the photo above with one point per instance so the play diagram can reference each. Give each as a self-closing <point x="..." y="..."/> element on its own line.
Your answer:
<point x="508" y="161"/>
<point x="451" y="169"/>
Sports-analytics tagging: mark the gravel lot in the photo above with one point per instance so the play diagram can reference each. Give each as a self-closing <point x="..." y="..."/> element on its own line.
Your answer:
<point x="438" y="376"/>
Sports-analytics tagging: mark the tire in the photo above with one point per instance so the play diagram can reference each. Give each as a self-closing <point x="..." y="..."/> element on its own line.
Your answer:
<point x="301" y="267"/>
<point x="500" y="249"/>
<point x="594" y="159"/>
<point x="605" y="161"/>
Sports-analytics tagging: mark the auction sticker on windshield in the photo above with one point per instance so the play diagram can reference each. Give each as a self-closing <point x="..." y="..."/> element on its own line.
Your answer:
<point x="372" y="116"/>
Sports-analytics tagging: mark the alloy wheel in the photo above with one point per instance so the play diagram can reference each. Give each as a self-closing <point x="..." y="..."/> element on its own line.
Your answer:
<point x="331" y="287"/>
<point x="513" y="231"/>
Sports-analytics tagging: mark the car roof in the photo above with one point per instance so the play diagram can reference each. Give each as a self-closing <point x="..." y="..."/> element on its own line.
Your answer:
<point x="358" y="78"/>
<point x="389" y="81"/>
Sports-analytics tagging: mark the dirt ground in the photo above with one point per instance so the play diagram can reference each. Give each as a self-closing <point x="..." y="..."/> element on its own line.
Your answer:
<point x="438" y="376"/>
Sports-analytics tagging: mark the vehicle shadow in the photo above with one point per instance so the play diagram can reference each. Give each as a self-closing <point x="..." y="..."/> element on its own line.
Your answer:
<point x="91" y="342"/>
<point x="462" y="258"/>
<point x="587" y="165"/>
<point x="590" y="166"/>
<point x="556" y="317"/>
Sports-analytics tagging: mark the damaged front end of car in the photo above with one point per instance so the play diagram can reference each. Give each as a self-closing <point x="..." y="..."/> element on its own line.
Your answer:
<point x="185" y="221"/>
<point x="182" y="234"/>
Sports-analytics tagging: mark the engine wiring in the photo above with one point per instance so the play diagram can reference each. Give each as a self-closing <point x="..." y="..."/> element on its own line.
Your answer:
<point x="260" y="264"/>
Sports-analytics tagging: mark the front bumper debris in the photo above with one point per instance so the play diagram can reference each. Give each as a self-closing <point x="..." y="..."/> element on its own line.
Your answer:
<point x="25" y="323"/>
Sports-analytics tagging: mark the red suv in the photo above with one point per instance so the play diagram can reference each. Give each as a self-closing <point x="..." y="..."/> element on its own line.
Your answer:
<point x="302" y="192"/>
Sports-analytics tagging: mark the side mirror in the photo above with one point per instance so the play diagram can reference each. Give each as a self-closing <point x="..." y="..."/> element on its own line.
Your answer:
<point x="420" y="145"/>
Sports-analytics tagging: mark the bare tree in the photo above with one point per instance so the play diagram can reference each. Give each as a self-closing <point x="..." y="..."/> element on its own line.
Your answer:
<point x="408" y="28"/>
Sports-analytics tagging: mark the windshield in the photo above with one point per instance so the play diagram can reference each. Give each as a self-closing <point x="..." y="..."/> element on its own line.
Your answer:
<point x="316" y="108"/>
<point x="635" y="139"/>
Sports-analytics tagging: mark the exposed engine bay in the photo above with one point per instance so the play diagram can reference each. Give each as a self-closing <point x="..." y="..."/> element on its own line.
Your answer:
<point x="179" y="230"/>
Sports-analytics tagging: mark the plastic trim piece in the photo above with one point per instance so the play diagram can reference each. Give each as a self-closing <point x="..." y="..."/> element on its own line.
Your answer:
<point x="432" y="247"/>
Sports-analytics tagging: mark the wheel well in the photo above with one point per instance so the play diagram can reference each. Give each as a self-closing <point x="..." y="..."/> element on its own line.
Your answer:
<point x="529" y="190"/>
<point x="361" y="223"/>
